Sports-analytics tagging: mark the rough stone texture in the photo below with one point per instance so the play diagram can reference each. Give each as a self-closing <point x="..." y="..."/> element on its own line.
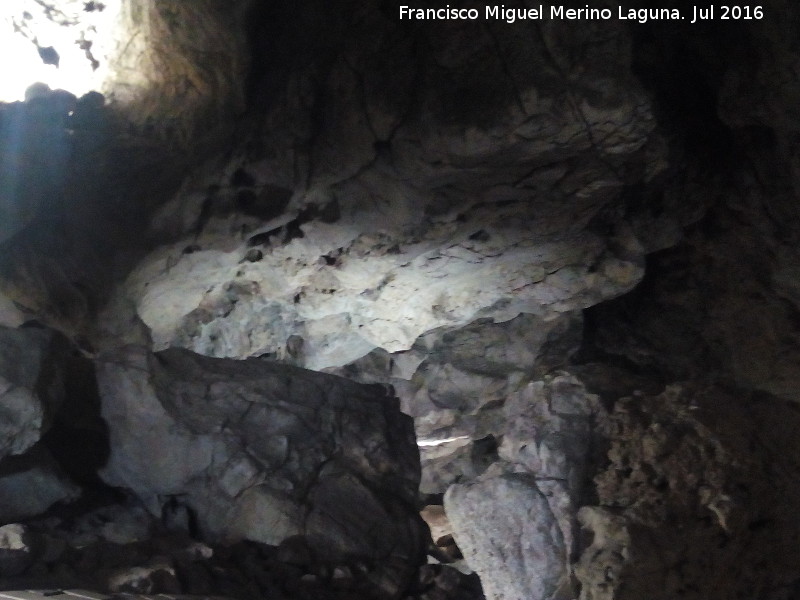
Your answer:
<point x="724" y="299"/>
<point x="516" y="523"/>
<point x="391" y="219"/>
<point x="455" y="384"/>
<point x="33" y="364"/>
<point x="397" y="194"/>
<point x="263" y="451"/>
<point x="510" y="536"/>
<point x="696" y="501"/>
<point x="174" y="564"/>
<point x="555" y="431"/>
<point x="294" y="305"/>
<point x="187" y="100"/>
<point x="32" y="483"/>
<point x="31" y="386"/>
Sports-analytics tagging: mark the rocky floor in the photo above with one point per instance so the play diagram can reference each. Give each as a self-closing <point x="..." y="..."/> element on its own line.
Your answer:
<point x="120" y="548"/>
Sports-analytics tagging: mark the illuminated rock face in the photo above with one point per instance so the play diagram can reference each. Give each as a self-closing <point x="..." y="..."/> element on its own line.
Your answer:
<point x="338" y="294"/>
<point x="176" y="70"/>
<point x="391" y="220"/>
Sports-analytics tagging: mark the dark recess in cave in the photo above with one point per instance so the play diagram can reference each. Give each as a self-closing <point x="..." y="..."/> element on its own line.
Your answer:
<point x="78" y="438"/>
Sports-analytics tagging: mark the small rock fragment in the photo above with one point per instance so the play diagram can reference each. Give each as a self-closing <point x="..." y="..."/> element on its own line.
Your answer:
<point x="16" y="552"/>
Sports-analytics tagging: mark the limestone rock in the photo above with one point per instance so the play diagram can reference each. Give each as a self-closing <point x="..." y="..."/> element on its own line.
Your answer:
<point x="685" y="495"/>
<point x="551" y="439"/>
<point x="456" y="383"/>
<point x="159" y="73"/>
<point x="437" y="521"/>
<point x="30" y="484"/>
<point x="157" y="578"/>
<point x="510" y="536"/>
<point x="602" y="563"/>
<point x="31" y="386"/>
<point x="556" y="431"/>
<point x="369" y="298"/>
<point x="394" y="219"/>
<point x="453" y="209"/>
<point x="16" y="551"/>
<point x="263" y="451"/>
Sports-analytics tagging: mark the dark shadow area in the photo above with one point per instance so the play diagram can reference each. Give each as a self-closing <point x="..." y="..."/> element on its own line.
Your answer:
<point x="78" y="437"/>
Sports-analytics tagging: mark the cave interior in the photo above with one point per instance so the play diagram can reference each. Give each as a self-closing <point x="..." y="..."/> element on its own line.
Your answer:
<point x="309" y="300"/>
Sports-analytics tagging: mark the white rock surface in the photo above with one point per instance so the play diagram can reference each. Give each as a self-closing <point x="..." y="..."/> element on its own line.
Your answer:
<point x="375" y="222"/>
<point x="383" y="290"/>
<point x="16" y="551"/>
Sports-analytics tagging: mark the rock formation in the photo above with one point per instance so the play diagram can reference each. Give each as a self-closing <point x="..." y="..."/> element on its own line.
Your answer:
<point x="260" y="451"/>
<point x="281" y="243"/>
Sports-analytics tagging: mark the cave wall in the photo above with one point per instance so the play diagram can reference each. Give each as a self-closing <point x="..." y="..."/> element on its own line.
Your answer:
<point x="569" y="248"/>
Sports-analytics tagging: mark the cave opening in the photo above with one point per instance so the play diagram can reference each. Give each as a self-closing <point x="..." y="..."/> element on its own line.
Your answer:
<point x="60" y="45"/>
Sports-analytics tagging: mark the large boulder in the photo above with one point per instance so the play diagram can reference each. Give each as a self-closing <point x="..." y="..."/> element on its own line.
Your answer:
<point x="403" y="208"/>
<point x="262" y="451"/>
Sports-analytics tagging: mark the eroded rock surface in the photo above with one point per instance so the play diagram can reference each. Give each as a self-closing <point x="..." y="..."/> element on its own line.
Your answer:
<point x="263" y="451"/>
<point x="530" y="231"/>
<point x="394" y="218"/>
<point x="509" y="536"/>
<point x="32" y="391"/>
<point x="552" y="442"/>
<point x="80" y="551"/>
<point x="31" y="386"/>
<point x="32" y="483"/>
<point x="695" y="500"/>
